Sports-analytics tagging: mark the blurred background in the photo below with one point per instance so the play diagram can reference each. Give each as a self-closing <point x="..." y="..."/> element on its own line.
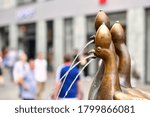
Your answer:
<point x="56" y="27"/>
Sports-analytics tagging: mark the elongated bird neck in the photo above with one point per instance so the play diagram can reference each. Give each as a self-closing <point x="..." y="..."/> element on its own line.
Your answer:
<point x="124" y="64"/>
<point x="110" y="81"/>
<point x="112" y="70"/>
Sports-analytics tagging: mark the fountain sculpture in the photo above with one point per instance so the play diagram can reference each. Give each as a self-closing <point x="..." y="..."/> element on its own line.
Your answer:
<point x="113" y="81"/>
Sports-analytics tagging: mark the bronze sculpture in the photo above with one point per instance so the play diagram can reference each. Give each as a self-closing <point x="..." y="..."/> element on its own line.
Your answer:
<point x="124" y="58"/>
<point x="113" y="83"/>
<point x="118" y="37"/>
<point x="101" y="17"/>
<point x="108" y="86"/>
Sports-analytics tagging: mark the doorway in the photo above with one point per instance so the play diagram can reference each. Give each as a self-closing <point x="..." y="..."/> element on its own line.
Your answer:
<point x="27" y="39"/>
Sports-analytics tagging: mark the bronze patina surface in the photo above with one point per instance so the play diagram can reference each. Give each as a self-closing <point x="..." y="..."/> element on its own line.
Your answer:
<point x="113" y="82"/>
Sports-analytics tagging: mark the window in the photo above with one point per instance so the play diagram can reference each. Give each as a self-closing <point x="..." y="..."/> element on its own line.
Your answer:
<point x="90" y="26"/>
<point x="4" y="35"/>
<point x="147" y="58"/>
<point x="27" y="39"/>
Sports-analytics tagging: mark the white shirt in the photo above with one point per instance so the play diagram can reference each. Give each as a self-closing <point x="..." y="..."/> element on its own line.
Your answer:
<point x="12" y="58"/>
<point x="20" y="70"/>
<point x="40" y="70"/>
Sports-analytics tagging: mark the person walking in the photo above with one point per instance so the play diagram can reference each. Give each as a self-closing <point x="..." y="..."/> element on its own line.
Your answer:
<point x="40" y="74"/>
<point x="12" y="57"/>
<point x="75" y="91"/>
<point x="29" y="80"/>
<point x="24" y="78"/>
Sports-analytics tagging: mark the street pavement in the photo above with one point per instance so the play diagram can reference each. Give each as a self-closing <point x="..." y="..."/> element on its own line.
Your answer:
<point x="9" y="91"/>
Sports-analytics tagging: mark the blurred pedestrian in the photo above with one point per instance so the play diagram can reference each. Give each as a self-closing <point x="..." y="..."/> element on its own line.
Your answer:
<point x="30" y="93"/>
<point x="75" y="91"/>
<point x="25" y="78"/>
<point x="19" y="73"/>
<point x="40" y="74"/>
<point x="4" y="56"/>
<point x="12" y="57"/>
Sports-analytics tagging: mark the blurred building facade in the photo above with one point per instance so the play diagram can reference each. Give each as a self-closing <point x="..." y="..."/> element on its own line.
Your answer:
<point x="55" y="27"/>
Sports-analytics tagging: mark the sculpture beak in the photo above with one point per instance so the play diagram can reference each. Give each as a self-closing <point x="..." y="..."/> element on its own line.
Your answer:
<point x="92" y="52"/>
<point x="93" y="38"/>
